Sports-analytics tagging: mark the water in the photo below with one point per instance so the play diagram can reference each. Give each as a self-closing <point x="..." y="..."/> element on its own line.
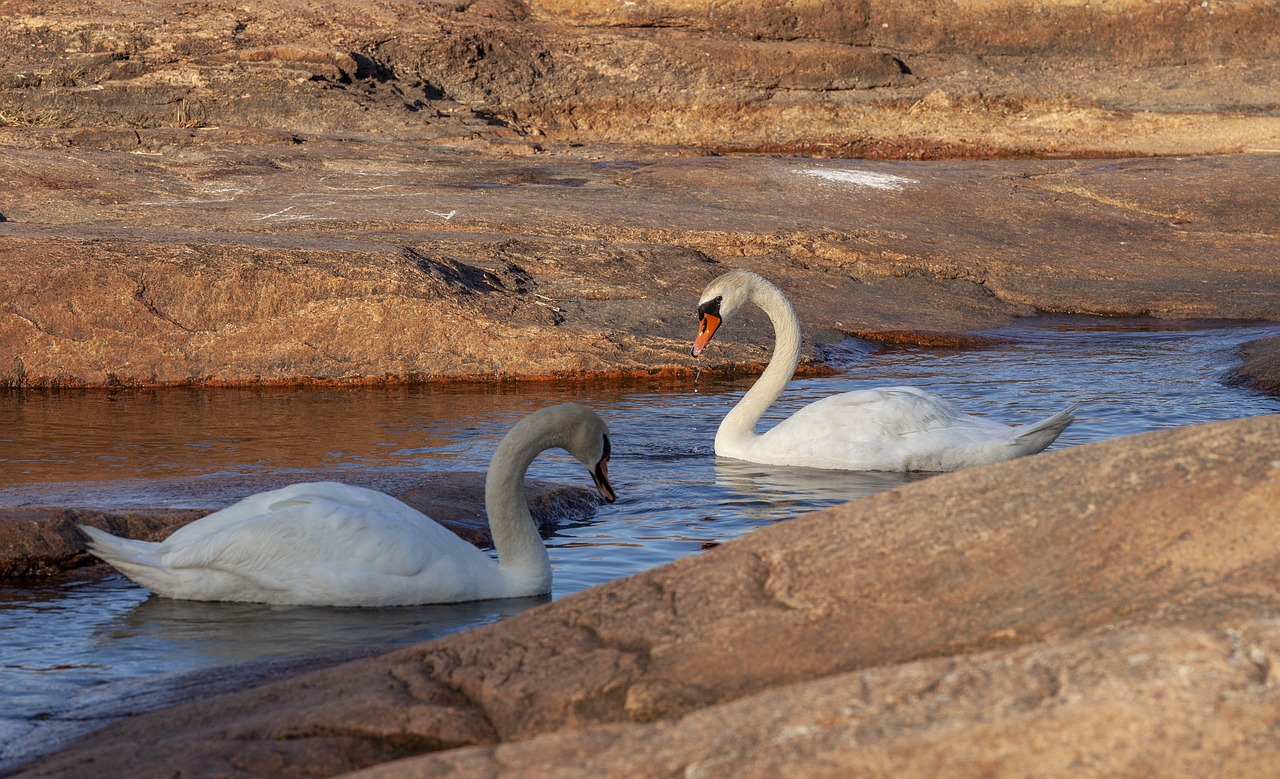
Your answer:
<point x="77" y="653"/>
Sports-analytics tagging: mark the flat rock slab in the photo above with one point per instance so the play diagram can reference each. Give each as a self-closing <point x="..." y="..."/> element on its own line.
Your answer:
<point x="222" y="258"/>
<point x="38" y="541"/>
<point x="924" y="78"/>
<point x="1032" y="610"/>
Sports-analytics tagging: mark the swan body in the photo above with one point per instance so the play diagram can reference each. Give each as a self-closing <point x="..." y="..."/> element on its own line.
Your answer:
<point x="884" y="429"/>
<point x="331" y="544"/>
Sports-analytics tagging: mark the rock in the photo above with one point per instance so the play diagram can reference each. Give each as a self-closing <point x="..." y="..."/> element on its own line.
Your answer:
<point x="1128" y="31"/>
<point x="212" y="193"/>
<point x="1041" y="614"/>
<point x="353" y="262"/>
<point x="1164" y="702"/>
<point x="314" y="63"/>
<point x="40" y="541"/>
<point x="888" y="79"/>
<point x="1261" y="367"/>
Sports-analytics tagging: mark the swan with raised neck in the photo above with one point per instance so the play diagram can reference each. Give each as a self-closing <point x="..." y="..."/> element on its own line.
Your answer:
<point x="333" y="544"/>
<point x="884" y="429"/>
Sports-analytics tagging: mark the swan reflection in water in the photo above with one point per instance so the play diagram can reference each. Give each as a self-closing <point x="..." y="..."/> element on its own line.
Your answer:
<point x="240" y="632"/>
<point x="776" y="492"/>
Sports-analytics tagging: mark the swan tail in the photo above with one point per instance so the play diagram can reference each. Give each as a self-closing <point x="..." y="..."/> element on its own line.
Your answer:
<point x="128" y="556"/>
<point x="1037" y="436"/>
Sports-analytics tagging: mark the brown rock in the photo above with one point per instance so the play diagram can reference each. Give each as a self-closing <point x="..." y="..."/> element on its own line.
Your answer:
<point x="922" y="78"/>
<point x="38" y="542"/>
<point x="1129" y="31"/>
<point x="572" y="268"/>
<point x="227" y="193"/>
<point x="996" y="616"/>
<point x="1166" y="702"/>
<point x="1261" y="367"/>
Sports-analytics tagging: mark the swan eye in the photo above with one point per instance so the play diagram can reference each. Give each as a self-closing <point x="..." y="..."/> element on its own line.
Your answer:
<point x="607" y="448"/>
<point x="711" y="307"/>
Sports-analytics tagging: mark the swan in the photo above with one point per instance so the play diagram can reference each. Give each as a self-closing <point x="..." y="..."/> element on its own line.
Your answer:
<point x="885" y="429"/>
<point x="331" y="544"/>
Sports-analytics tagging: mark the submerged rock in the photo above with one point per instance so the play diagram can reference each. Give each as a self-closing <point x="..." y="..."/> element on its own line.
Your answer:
<point x="1017" y="616"/>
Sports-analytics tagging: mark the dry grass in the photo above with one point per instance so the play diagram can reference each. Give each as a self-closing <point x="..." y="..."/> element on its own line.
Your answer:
<point x="23" y="116"/>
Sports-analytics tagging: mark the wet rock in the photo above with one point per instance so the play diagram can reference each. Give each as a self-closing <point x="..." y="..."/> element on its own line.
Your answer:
<point x="1101" y="598"/>
<point x="1260" y="368"/>
<point x="41" y="541"/>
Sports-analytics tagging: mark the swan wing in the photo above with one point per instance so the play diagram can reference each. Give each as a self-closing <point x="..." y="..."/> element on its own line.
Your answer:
<point x="884" y="415"/>
<point x="888" y="429"/>
<point x="326" y="529"/>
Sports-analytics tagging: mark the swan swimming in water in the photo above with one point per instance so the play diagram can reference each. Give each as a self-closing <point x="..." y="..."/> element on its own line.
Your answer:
<point x="330" y="544"/>
<point x="885" y="429"/>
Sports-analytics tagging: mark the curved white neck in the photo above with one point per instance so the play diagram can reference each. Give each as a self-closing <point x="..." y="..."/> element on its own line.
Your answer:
<point x="739" y="424"/>
<point x="522" y="554"/>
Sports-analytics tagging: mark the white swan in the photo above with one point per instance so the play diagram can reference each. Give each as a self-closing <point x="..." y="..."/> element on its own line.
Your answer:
<point x="329" y="544"/>
<point x="886" y="429"/>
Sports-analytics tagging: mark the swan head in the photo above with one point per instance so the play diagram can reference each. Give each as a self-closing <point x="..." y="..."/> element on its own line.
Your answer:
<point x="722" y="297"/>
<point x="582" y="433"/>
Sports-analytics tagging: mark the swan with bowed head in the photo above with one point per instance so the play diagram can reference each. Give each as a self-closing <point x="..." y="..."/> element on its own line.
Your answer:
<point x="330" y="544"/>
<point x="885" y="429"/>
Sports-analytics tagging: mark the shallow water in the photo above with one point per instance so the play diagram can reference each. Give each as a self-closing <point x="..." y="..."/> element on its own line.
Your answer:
<point x="74" y="652"/>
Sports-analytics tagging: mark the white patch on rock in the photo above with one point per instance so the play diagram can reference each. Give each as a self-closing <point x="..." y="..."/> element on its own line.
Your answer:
<point x="860" y="178"/>
<point x="794" y="731"/>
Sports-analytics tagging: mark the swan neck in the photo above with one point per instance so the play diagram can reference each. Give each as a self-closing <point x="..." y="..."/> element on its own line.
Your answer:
<point x="742" y="420"/>
<point x="521" y="551"/>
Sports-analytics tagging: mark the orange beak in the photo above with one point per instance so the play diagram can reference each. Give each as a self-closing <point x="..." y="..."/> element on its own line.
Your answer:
<point x="707" y="326"/>
<point x="600" y="474"/>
